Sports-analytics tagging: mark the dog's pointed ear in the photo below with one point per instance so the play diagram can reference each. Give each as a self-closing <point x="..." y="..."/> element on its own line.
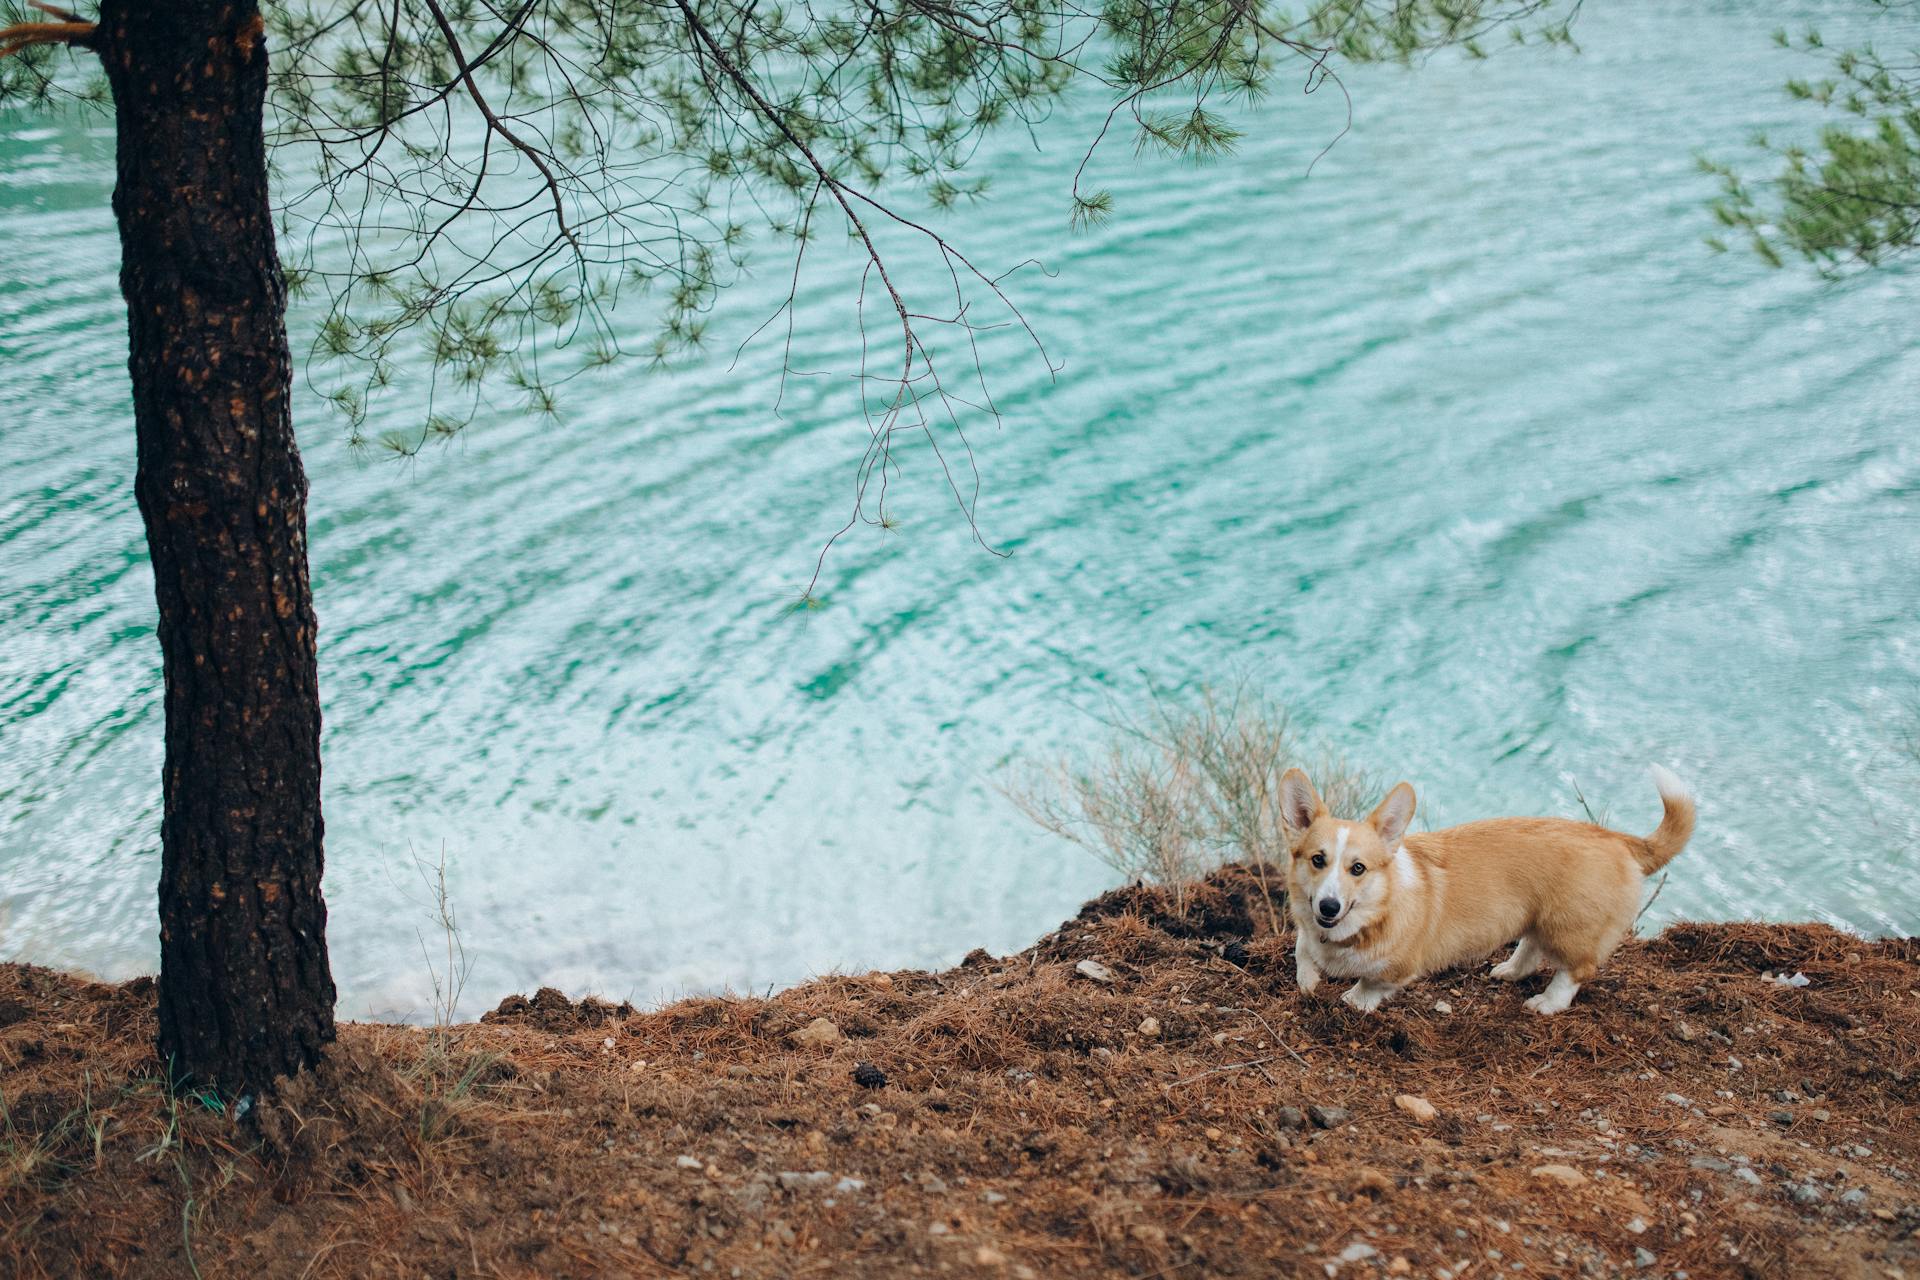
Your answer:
<point x="1394" y="815"/>
<point x="1300" y="804"/>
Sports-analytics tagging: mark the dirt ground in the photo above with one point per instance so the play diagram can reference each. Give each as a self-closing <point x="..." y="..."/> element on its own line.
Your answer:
<point x="1176" y="1108"/>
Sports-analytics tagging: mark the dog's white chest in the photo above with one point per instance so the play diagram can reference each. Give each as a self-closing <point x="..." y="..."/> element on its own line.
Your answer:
<point x="1342" y="962"/>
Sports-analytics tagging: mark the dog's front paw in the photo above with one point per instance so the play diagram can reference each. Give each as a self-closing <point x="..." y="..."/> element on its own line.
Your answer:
<point x="1365" y="997"/>
<point x="1307" y="977"/>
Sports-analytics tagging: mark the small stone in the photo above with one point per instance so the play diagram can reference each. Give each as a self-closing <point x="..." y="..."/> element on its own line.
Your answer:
<point x="992" y="1197"/>
<point x="1399" y="1266"/>
<point x="1564" y="1174"/>
<point x="988" y="1256"/>
<point x="1149" y="1026"/>
<point x="1780" y="1117"/>
<point x="1094" y="971"/>
<point x="1805" y="1193"/>
<point x="1854" y="1198"/>
<point x="1358" y="1251"/>
<point x="1747" y="1176"/>
<point x="1327" y="1117"/>
<point x="847" y="1186"/>
<point x="1419" y="1108"/>
<point x="1214" y="1135"/>
<point x="1644" y="1257"/>
<point x="688" y="1162"/>
<point x="1290" y="1118"/>
<point x="798" y="1180"/>
<point x="1683" y="1032"/>
<point x="1439" y="1006"/>
<point x="1677" y="1099"/>
<point x="1219" y="1039"/>
<point x="819" y="1032"/>
<point x="1712" y="1164"/>
<point x="868" y="1076"/>
<point x="1637" y="1225"/>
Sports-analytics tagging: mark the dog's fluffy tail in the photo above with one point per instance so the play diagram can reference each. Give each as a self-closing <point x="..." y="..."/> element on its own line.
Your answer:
<point x="1676" y="823"/>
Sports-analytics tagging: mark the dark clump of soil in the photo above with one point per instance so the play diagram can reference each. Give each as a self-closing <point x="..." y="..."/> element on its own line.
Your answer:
<point x="1145" y="1092"/>
<point x="550" y="1010"/>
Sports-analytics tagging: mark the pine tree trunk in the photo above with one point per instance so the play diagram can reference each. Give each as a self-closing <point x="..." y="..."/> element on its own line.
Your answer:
<point x="245" y="989"/>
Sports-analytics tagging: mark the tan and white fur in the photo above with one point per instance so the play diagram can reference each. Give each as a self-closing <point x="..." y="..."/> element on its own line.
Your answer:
<point x="1371" y="902"/>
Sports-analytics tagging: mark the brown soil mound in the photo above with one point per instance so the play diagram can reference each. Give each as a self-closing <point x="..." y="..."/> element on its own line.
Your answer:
<point x="1182" y="1112"/>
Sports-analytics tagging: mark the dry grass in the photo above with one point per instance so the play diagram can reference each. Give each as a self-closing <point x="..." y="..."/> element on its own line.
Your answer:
<point x="1191" y="786"/>
<point x="1033" y="1123"/>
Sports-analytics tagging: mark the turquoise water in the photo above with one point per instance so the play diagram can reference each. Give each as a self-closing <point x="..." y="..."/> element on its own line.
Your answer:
<point x="1464" y="446"/>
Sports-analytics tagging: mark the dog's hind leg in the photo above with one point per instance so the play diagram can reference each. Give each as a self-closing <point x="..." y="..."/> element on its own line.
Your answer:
<point x="1524" y="960"/>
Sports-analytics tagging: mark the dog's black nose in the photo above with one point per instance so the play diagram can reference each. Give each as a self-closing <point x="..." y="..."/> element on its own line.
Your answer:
<point x="1329" y="908"/>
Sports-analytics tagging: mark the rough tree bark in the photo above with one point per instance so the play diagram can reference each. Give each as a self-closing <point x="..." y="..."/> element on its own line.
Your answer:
<point x="245" y="989"/>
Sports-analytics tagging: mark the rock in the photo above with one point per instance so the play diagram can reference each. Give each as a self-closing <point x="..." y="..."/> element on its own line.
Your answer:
<point x="1094" y="971"/>
<point x="1358" y="1251"/>
<point x="1564" y="1174"/>
<point x="1327" y="1117"/>
<point x="1644" y="1257"/>
<point x="819" y="1032"/>
<point x="1682" y="1032"/>
<point x="1290" y="1118"/>
<point x="809" y="1180"/>
<point x="1637" y="1225"/>
<point x="1399" y="1266"/>
<point x="1149" y="1026"/>
<point x="1677" y="1099"/>
<point x="847" y="1186"/>
<point x="1805" y="1193"/>
<point x="688" y="1162"/>
<point x="988" y="1256"/>
<point x="1854" y="1198"/>
<point x="1780" y="1117"/>
<point x="1747" y="1176"/>
<point x="868" y="1076"/>
<point x="1419" y="1108"/>
<point x="992" y="1197"/>
<point x="1439" y="1006"/>
<point x="1712" y="1164"/>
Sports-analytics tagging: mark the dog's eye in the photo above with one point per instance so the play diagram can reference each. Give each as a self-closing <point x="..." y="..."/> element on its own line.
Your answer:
<point x="1358" y="868"/>
<point x="1319" y="860"/>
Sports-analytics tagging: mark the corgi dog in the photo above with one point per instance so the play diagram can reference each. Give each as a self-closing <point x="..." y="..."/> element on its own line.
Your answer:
<point x="1373" y="903"/>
